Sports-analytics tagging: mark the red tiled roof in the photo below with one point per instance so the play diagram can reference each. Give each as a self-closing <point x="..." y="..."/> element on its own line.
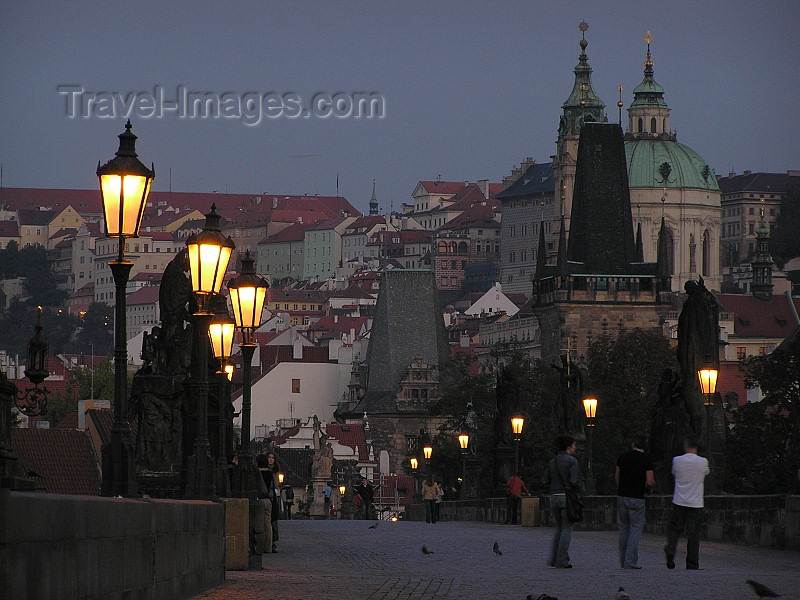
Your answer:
<point x="294" y="233"/>
<point x="103" y="420"/>
<point x="364" y="222"/>
<point x="293" y="295"/>
<point x="158" y="236"/>
<point x="62" y="459"/>
<point x="351" y="435"/>
<point x="771" y="318"/>
<point x="9" y="229"/>
<point x="338" y="325"/>
<point x="442" y="187"/>
<point x="731" y="379"/>
<point x="326" y="223"/>
<point x="352" y="291"/>
<point x="147" y="294"/>
<point x="64" y="232"/>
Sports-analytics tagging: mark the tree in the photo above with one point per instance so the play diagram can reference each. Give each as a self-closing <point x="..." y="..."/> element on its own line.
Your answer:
<point x="763" y="447"/>
<point x="624" y="374"/>
<point x="96" y="330"/>
<point x="101" y="386"/>
<point x="784" y="240"/>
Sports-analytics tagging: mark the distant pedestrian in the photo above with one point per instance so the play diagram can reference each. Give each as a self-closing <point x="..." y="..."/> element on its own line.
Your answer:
<point x="326" y="494"/>
<point x="562" y="473"/>
<point x="635" y="478"/>
<point x="268" y="466"/>
<point x="287" y="497"/>
<point x="430" y="492"/>
<point x="690" y="472"/>
<point x="439" y="500"/>
<point x="515" y="486"/>
<point x="366" y="493"/>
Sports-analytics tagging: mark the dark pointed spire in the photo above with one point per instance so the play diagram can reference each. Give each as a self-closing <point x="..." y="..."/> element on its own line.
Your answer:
<point x="541" y="254"/>
<point x="762" y="261"/>
<point x="639" y="244"/>
<point x="663" y="271"/>
<point x="373" y="202"/>
<point x="583" y="103"/>
<point x="561" y="264"/>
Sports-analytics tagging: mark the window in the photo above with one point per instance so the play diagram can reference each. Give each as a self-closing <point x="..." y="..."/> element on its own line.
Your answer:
<point x="741" y="352"/>
<point x="295" y="386"/>
<point x="762" y="350"/>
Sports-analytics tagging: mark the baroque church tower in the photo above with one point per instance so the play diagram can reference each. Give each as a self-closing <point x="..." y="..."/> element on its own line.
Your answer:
<point x="582" y="105"/>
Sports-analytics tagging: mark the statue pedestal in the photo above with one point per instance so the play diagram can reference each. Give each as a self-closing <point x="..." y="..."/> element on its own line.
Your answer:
<point x="317" y="508"/>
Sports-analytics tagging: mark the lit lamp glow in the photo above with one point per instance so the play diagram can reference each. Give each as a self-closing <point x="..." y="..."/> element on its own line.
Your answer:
<point x="229" y="371"/>
<point x="590" y="408"/>
<point x="342" y="490"/>
<point x="221" y="333"/>
<point x="209" y="253"/>
<point x="708" y="382"/>
<point x="517" y="423"/>
<point x="463" y="441"/>
<point x="281" y="477"/>
<point x="427" y="451"/>
<point x="414" y="463"/>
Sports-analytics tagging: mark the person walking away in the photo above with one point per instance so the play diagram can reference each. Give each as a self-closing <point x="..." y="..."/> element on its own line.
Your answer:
<point x="635" y="478"/>
<point x="367" y="495"/>
<point x="326" y="493"/>
<point x="561" y="471"/>
<point x="515" y="486"/>
<point x="690" y="471"/>
<point x="287" y="497"/>
<point x="430" y="492"/>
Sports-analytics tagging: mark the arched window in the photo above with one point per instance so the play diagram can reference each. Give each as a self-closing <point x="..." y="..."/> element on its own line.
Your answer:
<point x="653" y="125"/>
<point x="664" y="125"/>
<point x="641" y="126"/>
<point x="670" y="251"/>
<point x="452" y="248"/>
<point x="462" y="247"/>
<point x="441" y="247"/>
<point x="706" y="257"/>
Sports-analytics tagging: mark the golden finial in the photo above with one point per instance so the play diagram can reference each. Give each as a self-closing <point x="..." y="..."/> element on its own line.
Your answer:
<point x="648" y="37"/>
<point x="584" y="26"/>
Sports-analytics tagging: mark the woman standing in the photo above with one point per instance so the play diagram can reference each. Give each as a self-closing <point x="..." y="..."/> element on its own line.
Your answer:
<point x="430" y="493"/>
<point x="268" y="465"/>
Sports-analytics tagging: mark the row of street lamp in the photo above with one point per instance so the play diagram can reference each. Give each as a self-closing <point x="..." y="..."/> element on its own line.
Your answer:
<point x="125" y="183"/>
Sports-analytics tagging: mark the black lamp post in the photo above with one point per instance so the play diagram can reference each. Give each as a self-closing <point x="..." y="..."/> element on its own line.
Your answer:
<point x="125" y="183"/>
<point x="427" y="451"/>
<point x="209" y="253"/>
<point x="463" y="444"/>
<point x="708" y="385"/>
<point x="248" y="294"/>
<point x="590" y="408"/>
<point x="221" y="333"/>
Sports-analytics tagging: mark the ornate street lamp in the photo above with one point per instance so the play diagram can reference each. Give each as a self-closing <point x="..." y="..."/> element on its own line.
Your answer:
<point x="209" y="252"/>
<point x="248" y="294"/>
<point x="33" y="401"/>
<point x="517" y="423"/>
<point x="281" y="477"/>
<point x="708" y="385"/>
<point x="124" y="183"/>
<point x="590" y="409"/>
<point x="221" y="333"/>
<point x="414" y="463"/>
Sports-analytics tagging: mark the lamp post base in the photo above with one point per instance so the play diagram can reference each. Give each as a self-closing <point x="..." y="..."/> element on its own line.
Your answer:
<point x="200" y="474"/>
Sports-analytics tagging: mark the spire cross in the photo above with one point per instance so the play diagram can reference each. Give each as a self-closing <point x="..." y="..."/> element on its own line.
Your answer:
<point x="584" y="26"/>
<point x="648" y="37"/>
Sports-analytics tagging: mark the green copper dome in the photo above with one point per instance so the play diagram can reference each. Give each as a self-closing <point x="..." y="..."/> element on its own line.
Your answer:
<point x="656" y="163"/>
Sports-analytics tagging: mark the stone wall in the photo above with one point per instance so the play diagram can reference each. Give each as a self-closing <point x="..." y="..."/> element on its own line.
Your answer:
<point x="54" y="546"/>
<point x="747" y="520"/>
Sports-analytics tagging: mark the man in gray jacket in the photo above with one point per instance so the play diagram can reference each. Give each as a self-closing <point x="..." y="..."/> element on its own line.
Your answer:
<point x="562" y="468"/>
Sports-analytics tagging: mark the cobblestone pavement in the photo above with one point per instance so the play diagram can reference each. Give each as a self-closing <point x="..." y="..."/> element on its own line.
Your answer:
<point x="332" y="560"/>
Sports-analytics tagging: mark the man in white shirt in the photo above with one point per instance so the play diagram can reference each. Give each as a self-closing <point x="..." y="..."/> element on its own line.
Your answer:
<point x="690" y="471"/>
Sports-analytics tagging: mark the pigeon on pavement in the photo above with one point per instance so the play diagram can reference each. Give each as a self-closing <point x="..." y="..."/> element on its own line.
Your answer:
<point x="374" y="525"/>
<point x="762" y="590"/>
<point x="425" y="550"/>
<point x="496" y="549"/>
<point x="622" y="594"/>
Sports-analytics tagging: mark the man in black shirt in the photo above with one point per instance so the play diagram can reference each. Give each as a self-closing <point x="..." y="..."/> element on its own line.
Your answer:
<point x="634" y="477"/>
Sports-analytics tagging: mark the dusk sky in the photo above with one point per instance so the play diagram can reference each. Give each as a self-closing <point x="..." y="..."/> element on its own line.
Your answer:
<point x="469" y="89"/>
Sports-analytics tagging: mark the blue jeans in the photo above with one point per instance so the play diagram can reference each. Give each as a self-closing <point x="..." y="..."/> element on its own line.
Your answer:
<point x="430" y="511"/>
<point x="630" y="513"/>
<point x="559" y="547"/>
<point x="691" y="519"/>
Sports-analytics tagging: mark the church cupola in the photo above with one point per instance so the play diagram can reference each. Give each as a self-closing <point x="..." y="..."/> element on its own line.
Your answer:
<point x="648" y="115"/>
<point x="583" y="104"/>
<point x="373" y="202"/>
